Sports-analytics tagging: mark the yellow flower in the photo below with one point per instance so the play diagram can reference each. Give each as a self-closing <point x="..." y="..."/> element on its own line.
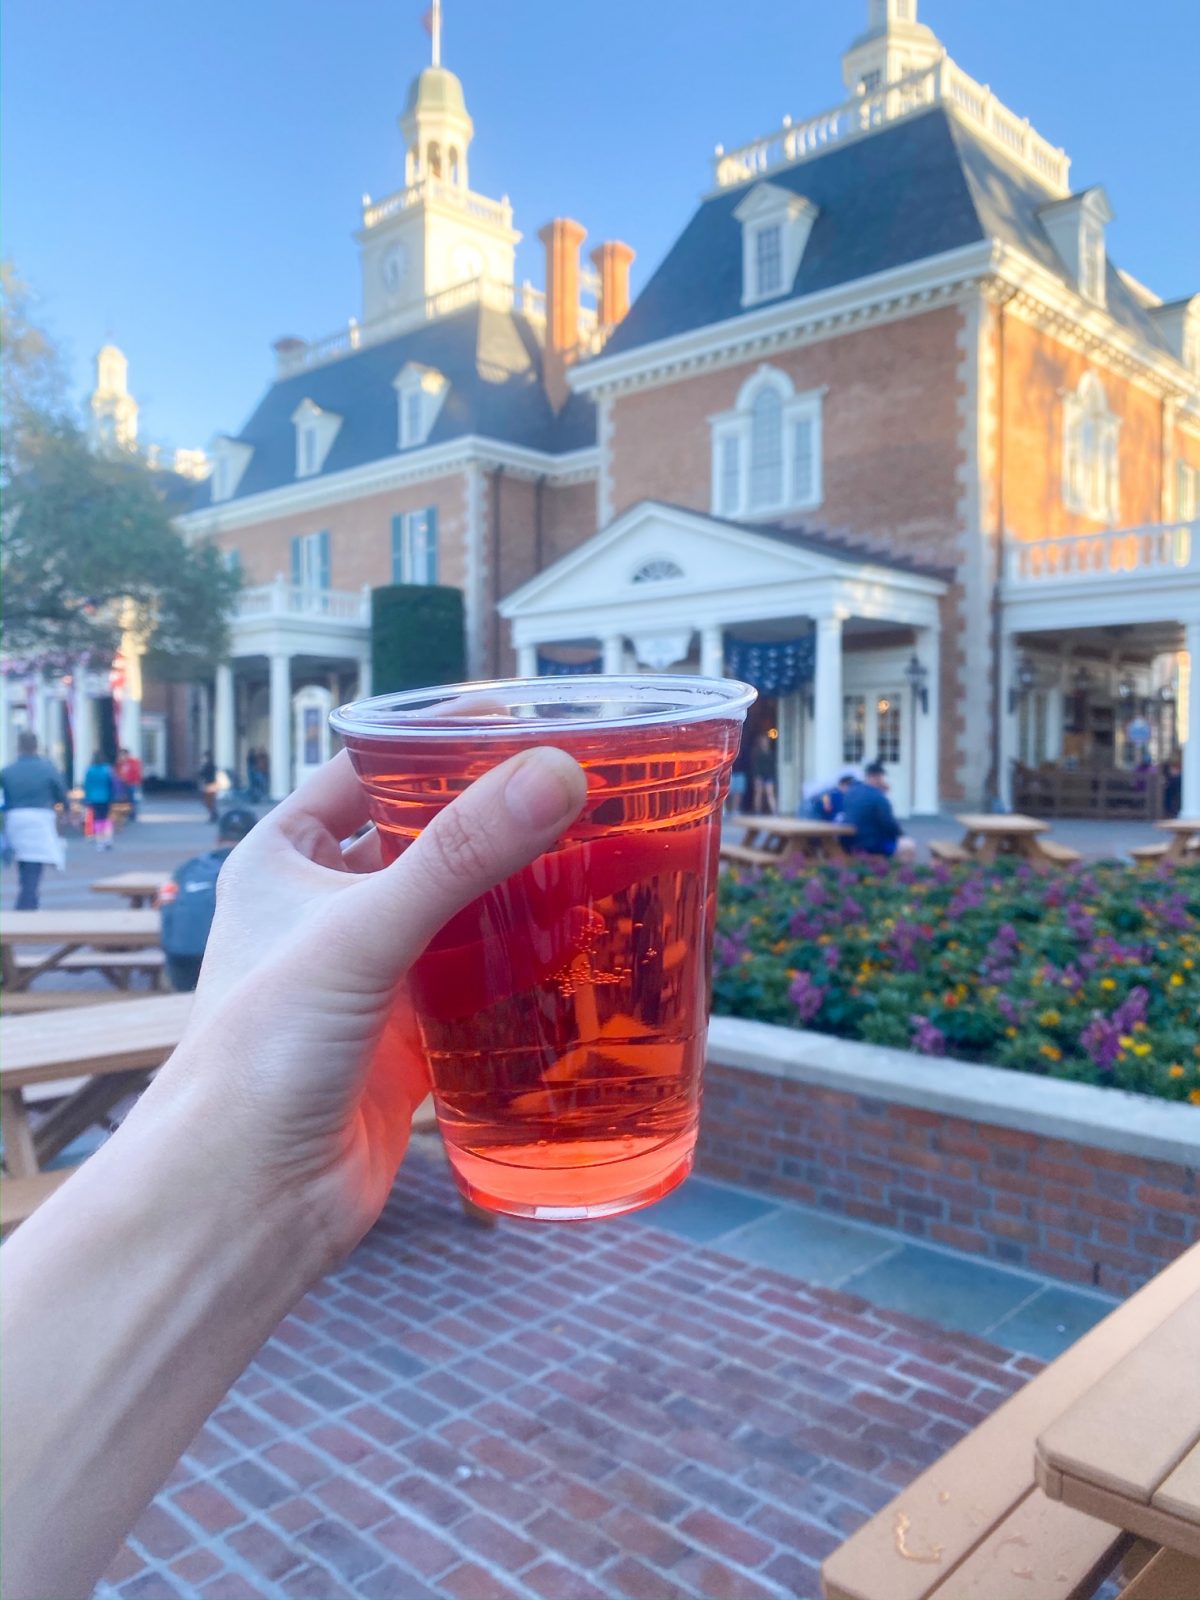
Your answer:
<point x="1051" y="1052"/>
<point x="1175" y="1070"/>
<point x="1011" y="1032"/>
<point x="1176" y="980"/>
<point x="1141" y="1049"/>
<point x="1050" y="1019"/>
<point x="1108" y="983"/>
<point x="1125" y="1040"/>
<point x="1194" y="1097"/>
<point x="1188" y="962"/>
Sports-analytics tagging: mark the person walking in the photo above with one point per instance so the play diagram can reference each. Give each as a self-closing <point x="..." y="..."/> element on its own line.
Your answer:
<point x="129" y="774"/>
<point x="32" y="787"/>
<point x="99" y="782"/>
<point x="763" y="766"/>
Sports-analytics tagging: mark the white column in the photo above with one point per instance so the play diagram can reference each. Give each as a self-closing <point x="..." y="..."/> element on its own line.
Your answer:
<point x="927" y="726"/>
<point x="1055" y="712"/>
<point x="81" y="725"/>
<point x="42" y="716"/>
<point x="613" y="648"/>
<point x="827" y="697"/>
<point x="224" y="726"/>
<point x="1190" y="798"/>
<point x="281" y="725"/>
<point x="364" y="678"/>
<point x="527" y="661"/>
<point x="712" y="652"/>
<point x="1010" y="717"/>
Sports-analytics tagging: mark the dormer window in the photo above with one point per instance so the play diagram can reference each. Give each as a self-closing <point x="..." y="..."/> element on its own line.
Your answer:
<point x="766" y="453"/>
<point x="230" y="458"/>
<point x="1076" y="229"/>
<point x="420" y="392"/>
<point x="775" y="227"/>
<point x="1178" y="323"/>
<point x="316" y="429"/>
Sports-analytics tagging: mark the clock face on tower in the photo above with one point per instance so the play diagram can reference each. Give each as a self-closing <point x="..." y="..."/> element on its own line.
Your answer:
<point x="394" y="267"/>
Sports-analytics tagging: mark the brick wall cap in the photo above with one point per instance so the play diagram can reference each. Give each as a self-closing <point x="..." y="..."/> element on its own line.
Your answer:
<point x="1106" y="1119"/>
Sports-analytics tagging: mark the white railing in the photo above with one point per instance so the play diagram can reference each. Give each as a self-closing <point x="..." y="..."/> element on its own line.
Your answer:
<point x="496" y="212"/>
<point x="290" y="600"/>
<point x="1115" y="554"/>
<point x="941" y="83"/>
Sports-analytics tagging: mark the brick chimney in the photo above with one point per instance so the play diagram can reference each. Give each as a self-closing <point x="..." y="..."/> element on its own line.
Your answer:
<point x="288" y="351"/>
<point x="611" y="261"/>
<point x="562" y="239"/>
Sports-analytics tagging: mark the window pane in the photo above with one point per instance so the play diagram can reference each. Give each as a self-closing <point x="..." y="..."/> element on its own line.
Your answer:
<point x="398" y="548"/>
<point x="412" y="417"/>
<point x="803" y="464"/>
<point x="731" y="487"/>
<point x="887" y="712"/>
<point x="854" y="727"/>
<point x="309" y="437"/>
<point x="768" y="259"/>
<point x="766" y="450"/>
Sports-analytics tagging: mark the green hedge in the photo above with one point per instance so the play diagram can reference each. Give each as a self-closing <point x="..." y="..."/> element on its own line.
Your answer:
<point x="417" y="636"/>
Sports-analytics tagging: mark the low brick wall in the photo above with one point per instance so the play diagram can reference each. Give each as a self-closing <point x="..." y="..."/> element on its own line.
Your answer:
<point x="1024" y="1182"/>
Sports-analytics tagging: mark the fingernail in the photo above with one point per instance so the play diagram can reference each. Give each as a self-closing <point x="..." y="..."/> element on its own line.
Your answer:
<point x="546" y="789"/>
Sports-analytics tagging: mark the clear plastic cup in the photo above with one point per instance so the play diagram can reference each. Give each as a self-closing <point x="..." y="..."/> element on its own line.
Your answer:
<point x="564" y="1013"/>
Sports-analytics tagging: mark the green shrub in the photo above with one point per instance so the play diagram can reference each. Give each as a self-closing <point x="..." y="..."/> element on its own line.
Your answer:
<point x="417" y="636"/>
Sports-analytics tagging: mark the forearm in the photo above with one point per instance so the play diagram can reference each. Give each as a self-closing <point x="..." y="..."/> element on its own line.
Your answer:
<point x="132" y="1300"/>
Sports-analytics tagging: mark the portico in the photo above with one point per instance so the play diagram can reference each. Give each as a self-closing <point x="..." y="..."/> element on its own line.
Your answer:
<point x="844" y="649"/>
<point x="294" y="653"/>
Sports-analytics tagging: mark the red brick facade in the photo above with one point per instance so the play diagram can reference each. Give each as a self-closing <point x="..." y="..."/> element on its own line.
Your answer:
<point x="1089" y="1216"/>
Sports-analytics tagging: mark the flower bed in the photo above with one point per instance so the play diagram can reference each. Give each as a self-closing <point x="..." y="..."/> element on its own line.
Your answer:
<point x="1092" y="975"/>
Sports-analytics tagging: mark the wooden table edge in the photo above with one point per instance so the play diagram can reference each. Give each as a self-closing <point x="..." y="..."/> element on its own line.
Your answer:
<point x="1134" y="1516"/>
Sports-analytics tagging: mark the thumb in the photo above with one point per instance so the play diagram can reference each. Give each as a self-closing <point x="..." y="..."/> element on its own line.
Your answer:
<point x="505" y="820"/>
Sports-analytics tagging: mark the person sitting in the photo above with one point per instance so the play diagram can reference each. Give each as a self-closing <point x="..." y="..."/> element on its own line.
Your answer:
<point x="828" y="804"/>
<point x="868" y="810"/>
<point x="189" y="902"/>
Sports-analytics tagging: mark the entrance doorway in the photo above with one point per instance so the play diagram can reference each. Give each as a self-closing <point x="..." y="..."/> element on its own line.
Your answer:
<point x="876" y="727"/>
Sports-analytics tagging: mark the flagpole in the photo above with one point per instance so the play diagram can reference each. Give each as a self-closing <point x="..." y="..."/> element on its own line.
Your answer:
<point x="437" y="33"/>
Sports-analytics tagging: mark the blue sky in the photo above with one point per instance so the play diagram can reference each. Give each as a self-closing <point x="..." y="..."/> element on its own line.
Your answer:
<point x="187" y="177"/>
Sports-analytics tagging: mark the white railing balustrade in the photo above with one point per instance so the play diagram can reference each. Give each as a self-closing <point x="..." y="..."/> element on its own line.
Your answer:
<point x="1116" y="553"/>
<point x="290" y="600"/>
<point x="941" y="83"/>
<point x="497" y="212"/>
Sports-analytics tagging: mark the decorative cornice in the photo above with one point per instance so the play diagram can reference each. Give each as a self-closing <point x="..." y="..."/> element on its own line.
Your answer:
<point x="416" y="466"/>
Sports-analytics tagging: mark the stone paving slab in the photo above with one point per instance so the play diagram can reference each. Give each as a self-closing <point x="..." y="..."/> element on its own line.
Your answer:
<point x="569" y="1413"/>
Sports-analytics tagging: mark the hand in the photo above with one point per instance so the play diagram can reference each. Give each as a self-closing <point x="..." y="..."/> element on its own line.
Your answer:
<point x="301" y="1066"/>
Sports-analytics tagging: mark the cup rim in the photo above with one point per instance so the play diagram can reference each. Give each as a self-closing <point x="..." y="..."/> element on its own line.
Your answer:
<point x="693" y="699"/>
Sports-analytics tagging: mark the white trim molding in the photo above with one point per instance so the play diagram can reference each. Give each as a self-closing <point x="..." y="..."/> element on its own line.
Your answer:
<point x="745" y="465"/>
<point x="768" y="207"/>
<point x="316" y="429"/>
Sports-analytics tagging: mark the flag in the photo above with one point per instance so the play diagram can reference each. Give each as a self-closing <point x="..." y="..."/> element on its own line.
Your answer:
<point x="427" y="20"/>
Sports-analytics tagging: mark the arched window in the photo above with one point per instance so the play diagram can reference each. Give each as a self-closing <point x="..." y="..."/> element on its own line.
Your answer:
<point x="1090" y="452"/>
<point x="766" y="450"/>
<point x="453" y="164"/>
<point x="656" y="571"/>
<point x="434" y="159"/>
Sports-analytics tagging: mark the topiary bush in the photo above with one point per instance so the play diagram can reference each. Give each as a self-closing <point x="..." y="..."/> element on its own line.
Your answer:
<point x="417" y="636"/>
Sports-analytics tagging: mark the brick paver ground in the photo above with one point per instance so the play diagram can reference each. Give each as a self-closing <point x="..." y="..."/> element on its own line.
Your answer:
<point x="554" y="1413"/>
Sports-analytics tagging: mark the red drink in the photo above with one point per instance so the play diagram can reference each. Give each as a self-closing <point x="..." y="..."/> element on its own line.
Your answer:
<point x="564" y="1013"/>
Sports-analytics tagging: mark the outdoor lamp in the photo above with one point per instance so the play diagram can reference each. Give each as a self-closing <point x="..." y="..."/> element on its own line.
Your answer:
<point x="1125" y="687"/>
<point x="1026" y="678"/>
<point x="917" y="674"/>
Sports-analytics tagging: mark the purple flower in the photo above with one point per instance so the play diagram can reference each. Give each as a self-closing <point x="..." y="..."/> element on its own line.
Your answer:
<point x="814" y="891"/>
<point x="729" y="948"/>
<point x="807" y="997"/>
<point x="1102" y="1041"/>
<point x="927" y="1038"/>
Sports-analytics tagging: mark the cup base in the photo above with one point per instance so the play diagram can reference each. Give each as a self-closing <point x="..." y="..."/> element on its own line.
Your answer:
<point x="582" y="1210"/>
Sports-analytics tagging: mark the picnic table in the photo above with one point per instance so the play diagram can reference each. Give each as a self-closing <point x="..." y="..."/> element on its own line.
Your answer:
<point x="991" y="834"/>
<point x="139" y="888"/>
<point x="775" y="839"/>
<point x="1184" y="840"/>
<point x="1127" y="1451"/>
<point x="112" y="942"/>
<point x="113" y="1048"/>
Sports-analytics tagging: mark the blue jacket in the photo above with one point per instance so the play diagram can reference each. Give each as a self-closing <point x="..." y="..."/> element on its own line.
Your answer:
<point x="98" y="784"/>
<point x="869" y="812"/>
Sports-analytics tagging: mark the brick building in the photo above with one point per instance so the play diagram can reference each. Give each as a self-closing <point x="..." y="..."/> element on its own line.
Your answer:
<point x="886" y="431"/>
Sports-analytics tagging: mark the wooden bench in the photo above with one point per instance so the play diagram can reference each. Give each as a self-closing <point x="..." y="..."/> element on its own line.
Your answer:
<point x="962" y="1529"/>
<point x="746" y="855"/>
<point x="20" y="1197"/>
<point x="1168" y="1575"/>
<point x="946" y="850"/>
<point x="23" y="1000"/>
<point x="1060" y="854"/>
<point x="1150" y="852"/>
<point x="118" y="966"/>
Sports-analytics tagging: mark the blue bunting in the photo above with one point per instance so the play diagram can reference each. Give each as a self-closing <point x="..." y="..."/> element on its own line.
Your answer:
<point x="775" y="667"/>
<point x="547" y="668"/>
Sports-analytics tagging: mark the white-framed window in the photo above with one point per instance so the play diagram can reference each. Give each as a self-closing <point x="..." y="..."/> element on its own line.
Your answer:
<point x="316" y="429"/>
<point x="1091" y="457"/>
<point x="230" y="458"/>
<point x="310" y="560"/>
<point x="775" y="227"/>
<point x="657" y="570"/>
<point x="1075" y="227"/>
<point x="768" y="259"/>
<point x="231" y="560"/>
<point x="854" y="727"/>
<point x="766" y="453"/>
<point x="1091" y="262"/>
<point x="414" y="546"/>
<point x="419" y="395"/>
<point x="1187" y="491"/>
<point x="220" y="478"/>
